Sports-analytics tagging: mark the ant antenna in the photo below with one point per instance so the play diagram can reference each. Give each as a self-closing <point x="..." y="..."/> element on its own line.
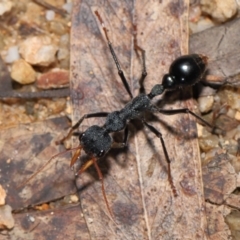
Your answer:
<point x="75" y="156"/>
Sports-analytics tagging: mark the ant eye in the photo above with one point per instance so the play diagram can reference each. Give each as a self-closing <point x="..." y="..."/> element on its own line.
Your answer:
<point x="81" y="135"/>
<point x="102" y="152"/>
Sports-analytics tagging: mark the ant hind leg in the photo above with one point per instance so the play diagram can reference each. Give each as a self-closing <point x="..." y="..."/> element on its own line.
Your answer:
<point x="159" y="135"/>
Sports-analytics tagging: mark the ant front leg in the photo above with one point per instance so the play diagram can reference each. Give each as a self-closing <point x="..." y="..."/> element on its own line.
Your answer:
<point x="75" y="126"/>
<point x="120" y="72"/>
<point x="159" y="135"/>
<point x="93" y="161"/>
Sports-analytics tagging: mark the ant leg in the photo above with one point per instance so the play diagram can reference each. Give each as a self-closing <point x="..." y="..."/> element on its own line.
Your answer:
<point x="100" y="176"/>
<point x="137" y="48"/>
<point x="76" y="156"/>
<point x="159" y="135"/>
<point x="75" y="126"/>
<point x="144" y="71"/>
<point x="85" y="167"/>
<point x="124" y="143"/>
<point x="182" y="110"/>
<point x="103" y="189"/>
<point x="120" y="72"/>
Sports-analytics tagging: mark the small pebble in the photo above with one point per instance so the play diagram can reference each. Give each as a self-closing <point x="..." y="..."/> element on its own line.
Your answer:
<point x="195" y="13"/>
<point x="219" y="10"/>
<point x="230" y="97"/>
<point x="205" y="103"/>
<point x="233" y="221"/>
<point x="237" y="115"/>
<point x="6" y="218"/>
<point x="5" y="6"/>
<point x="31" y="219"/>
<point x="67" y="7"/>
<point x="208" y="143"/>
<point x="230" y="145"/>
<point x="23" y="72"/>
<point x="201" y="25"/>
<point x="63" y="53"/>
<point x="38" y="50"/>
<point x="50" y="15"/>
<point x="74" y="198"/>
<point x="209" y="155"/>
<point x="12" y="54"/>
<point x="56" y="78"/>
<point x="57" y="27"/>
<point x="2" y="195"/>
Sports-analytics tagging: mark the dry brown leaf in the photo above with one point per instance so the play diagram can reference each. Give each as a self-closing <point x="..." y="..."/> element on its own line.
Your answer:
<point x="219" y="44"/>
<point x="62" y="223"/>
<point x="135" y="179"/>
<point x="24" y="149"/>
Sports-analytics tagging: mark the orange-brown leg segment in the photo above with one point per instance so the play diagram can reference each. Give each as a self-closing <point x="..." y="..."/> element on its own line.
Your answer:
<point x="85" y="166"/>
<point x="76" y="155"/>
<point x="94" y="160"/>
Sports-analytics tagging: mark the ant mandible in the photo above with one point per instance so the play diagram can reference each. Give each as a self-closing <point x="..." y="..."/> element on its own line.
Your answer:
<point x="96" y="141"/>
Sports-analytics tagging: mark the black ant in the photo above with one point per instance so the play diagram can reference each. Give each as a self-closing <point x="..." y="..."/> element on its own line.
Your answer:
<point x="96" y="141"/>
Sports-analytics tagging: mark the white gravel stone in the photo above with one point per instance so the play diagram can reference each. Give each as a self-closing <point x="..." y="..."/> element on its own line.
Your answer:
<point x="201" y="25"/>
<point x="38" y="50"/>
<point x="68" y="7"/>
<point x="220" y="10"/>
<point x="5" y="6"/>
<point x="50" y="15"/>
<point x="12" y="54"/>
<point x="205" y="103"/>
<point x="6" y="218"/>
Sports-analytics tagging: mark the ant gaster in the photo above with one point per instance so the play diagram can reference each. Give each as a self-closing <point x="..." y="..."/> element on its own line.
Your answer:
<point x="96" y="141"/>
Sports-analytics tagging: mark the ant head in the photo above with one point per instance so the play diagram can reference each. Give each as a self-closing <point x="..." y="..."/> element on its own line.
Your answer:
<point x="185" y="71"/>
<point x="95" y="141"/>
